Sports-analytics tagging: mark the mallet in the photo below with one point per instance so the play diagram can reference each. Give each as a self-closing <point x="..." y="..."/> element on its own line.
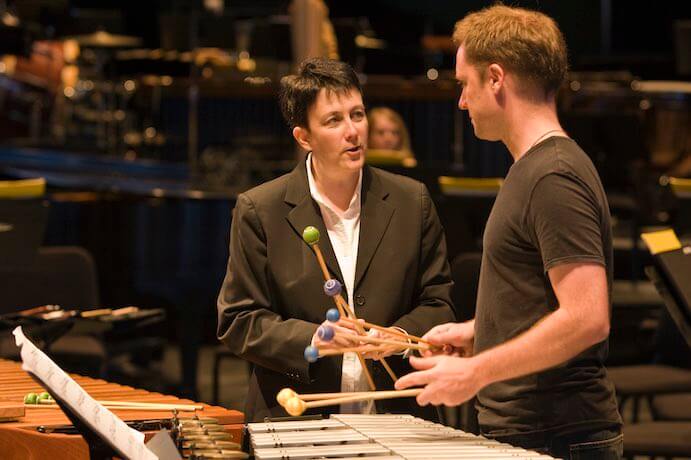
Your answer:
<point x="296" y="406"/>
<point x="286" y="394"/>
<point x="311" y="236"/>
<point x="333" y="315"/>
<point x="327" y="333"/>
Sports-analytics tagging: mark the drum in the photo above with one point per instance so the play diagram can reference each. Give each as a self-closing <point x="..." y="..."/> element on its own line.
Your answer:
<point x="667" y="108"/>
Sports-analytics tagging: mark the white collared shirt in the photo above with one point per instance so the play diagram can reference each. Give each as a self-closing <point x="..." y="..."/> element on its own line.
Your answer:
<point x="343" y="228"/>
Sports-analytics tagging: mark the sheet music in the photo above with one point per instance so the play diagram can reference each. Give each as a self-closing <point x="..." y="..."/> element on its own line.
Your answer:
<point x="129" y="441"/>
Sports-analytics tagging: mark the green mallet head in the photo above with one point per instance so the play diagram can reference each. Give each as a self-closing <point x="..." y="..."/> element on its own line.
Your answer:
<point x="310" y="235"/>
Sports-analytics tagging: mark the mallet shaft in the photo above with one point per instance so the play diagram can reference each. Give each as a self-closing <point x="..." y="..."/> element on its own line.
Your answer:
<point x="371" y="396"/>
<point x="391" y="331"/>
<point x="342" y="311"/>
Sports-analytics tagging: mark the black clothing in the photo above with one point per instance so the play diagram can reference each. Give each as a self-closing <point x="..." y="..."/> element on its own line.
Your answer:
<point x="551" y="210"/>
<point x="272" y="298"/>
<point x="598" y="444"/>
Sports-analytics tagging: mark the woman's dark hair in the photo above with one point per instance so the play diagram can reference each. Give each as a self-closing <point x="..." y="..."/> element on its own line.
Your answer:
<point x="298" y="92"/>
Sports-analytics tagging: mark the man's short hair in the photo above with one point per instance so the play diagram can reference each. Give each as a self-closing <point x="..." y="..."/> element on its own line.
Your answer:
<point x="298" y="92"/>
<point x="526" y="42"/>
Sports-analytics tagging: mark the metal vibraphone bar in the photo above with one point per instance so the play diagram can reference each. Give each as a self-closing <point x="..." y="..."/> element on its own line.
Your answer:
<point x="376" y="437"/>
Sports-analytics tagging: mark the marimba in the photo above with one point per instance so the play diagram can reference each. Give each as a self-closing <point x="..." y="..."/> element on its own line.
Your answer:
<point x="376" y="437"/>
<point x="22" y="440"/>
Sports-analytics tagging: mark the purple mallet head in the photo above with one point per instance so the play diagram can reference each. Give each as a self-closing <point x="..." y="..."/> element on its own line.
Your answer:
<point x="325" y="333"/>
<point x="332" y="287"/>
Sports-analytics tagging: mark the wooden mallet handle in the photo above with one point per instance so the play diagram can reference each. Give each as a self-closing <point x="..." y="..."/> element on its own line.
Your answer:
<point x="297" y="406"/>
<point x="311" y="236"/>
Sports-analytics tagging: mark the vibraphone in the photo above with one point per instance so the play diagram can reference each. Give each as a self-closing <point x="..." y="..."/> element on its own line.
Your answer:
<point x="376" y="437"/>
<point x="22" y="440"/>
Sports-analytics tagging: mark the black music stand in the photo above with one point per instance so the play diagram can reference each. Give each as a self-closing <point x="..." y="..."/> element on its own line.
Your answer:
<point x="44" y="332"/>
<point x="671" y="276"/>
<point x="99" y="448"/>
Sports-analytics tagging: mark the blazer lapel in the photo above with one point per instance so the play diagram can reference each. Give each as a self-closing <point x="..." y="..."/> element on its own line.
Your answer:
<point x="305" y="213"/>
<point x="375" y="215"/>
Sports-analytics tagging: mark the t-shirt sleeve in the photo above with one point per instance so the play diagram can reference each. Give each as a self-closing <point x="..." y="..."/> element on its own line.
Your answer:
<point x="563" y="220"/>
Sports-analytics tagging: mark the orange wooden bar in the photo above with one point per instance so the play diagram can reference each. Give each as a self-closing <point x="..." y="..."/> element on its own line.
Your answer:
<point x="20" y="439"/>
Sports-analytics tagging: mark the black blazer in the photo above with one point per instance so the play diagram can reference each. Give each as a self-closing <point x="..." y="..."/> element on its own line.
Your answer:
<point x="272" y="298"/>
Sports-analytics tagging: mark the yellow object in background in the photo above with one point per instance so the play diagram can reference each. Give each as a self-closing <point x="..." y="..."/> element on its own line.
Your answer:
<point x="661" y="241"/>
<point x="680" y="186"/>
<point x="386" y="157"/>
<point x="23" y="188"/>
<point x="470" y="185"/>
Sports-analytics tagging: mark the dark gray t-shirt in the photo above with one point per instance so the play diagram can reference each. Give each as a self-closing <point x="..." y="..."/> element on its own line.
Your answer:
<point x="550" y="210"/>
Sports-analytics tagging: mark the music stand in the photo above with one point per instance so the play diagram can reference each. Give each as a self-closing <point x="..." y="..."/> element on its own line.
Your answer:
<point x="671" y="275"/>
<point x="676" y="301"/>
<point x="99" y="448"/>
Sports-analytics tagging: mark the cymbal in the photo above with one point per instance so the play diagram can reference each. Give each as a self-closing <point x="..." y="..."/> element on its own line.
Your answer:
<point x="103" y="39"/>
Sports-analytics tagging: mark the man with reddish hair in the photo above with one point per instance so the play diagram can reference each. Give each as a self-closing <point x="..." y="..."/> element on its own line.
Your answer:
<point x="534" y="353"/>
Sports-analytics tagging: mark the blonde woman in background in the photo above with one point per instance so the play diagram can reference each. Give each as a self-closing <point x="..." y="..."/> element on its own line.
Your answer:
<point x="389" y="141"/>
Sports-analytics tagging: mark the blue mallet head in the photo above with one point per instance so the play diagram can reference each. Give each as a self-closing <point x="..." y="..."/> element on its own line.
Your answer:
<point x="325" y="333"/>
<point x="311" y="354"/>
<point x="333" y="315"/>
<point x="332" y="287"/>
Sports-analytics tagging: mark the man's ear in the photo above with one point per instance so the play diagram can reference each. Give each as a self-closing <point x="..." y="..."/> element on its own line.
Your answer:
<point x="302" y="136"/>
<point x="496" y="76"/>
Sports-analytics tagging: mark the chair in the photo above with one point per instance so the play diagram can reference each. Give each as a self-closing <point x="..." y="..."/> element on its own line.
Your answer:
<point x="666" y="375"/>
<point x="464" y="207"/>
<point x="658" y="439"/>
<point x="672" y="407"/>
<point x="662" y="385"/>
<point x="647" y="382"/>
<point x="61" y="275"/>
<point x="220" y="355"/>
<point x="682" y="192"/>
<point x="23" y="216"/>
<point x="465" y="272"/>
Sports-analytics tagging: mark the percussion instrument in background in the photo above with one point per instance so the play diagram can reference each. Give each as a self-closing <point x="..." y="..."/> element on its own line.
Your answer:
<point x="667" y="105"/>
<point x="655" y="115"/>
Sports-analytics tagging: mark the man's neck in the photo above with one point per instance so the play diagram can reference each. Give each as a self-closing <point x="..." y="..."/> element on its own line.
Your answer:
<point x="338" y="188"/>
<point x="528" y="124"/>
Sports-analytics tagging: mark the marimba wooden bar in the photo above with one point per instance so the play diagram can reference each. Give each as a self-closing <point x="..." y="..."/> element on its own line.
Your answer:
<point x="21" y="440"/>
